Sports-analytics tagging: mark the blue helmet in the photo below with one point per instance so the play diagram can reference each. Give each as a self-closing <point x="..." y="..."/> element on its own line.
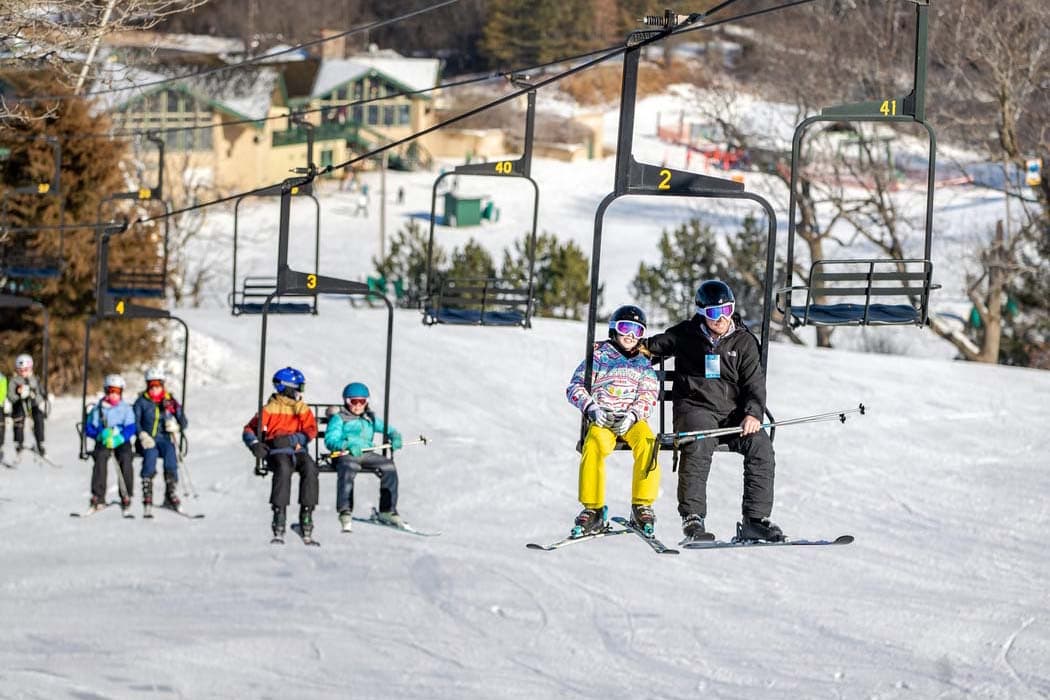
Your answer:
<point x="289" y="378"/>
<point x="355" y="390"/>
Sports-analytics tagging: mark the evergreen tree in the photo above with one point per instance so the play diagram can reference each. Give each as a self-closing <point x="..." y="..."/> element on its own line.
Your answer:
<point x="688" y="255"/>
<point x="526" y="32"/>
<point x="561" y="277"/>
<point x="90" y="171"/>
<point x="407" y="261"/>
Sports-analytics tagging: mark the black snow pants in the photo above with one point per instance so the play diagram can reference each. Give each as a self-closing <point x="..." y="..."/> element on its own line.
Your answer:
<point x="124" y="456"/>
<point x="694" y="464"/>
<point x="281" y="467"/>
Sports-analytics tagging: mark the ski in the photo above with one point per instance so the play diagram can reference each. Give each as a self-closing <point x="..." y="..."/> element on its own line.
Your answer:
<point x="277" y="539"/>
<point x="89" y="512"/>
<point x="9" y="465"/>
<point x="697" y="539"/>
<point x="309" y="541"/>
<point x="564" y="542"/>
<point x="374" y="520"/>
<point x="657" y="546"/>
<point x="43" y="459"/>
<point x="179" y="511"/>
<point x="842" y="539"/>
<point x="147" y="512"/>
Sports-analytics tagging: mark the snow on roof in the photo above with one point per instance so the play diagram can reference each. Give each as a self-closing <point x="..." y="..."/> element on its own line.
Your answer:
<point x="246" y="92"/>
<point x="188" y="43"/>
<point x="413" y="73"/>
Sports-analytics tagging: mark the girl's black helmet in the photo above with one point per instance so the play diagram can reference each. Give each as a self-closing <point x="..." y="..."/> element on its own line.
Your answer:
<point x="713" y="293"/>
<point x="628" y="312"/>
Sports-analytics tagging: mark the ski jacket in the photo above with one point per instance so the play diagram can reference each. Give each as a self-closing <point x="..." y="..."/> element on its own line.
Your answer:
<point x="104" y="415"/>
<point x="740" y="384"/>
<point x="25" y="389"/>
<point x="150" y="414"/>
<point x="345" y="430"/>
<point x="288" y="425"/>
<point x="618" y="383"/>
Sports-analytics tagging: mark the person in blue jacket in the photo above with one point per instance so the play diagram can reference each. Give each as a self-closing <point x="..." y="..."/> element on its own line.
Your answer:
<point x="159" y="420"/>
<point x="350" y="431"/>
<point x="111" y="424"/>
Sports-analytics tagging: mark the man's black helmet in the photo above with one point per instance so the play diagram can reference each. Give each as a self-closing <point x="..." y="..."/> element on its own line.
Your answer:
<point x="628" y="313"/>
<point x="713" y="293"/>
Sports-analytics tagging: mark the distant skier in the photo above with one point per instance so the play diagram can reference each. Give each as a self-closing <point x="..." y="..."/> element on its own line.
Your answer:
<point x="287" y="427"/>
<point x="351" y="430"/>
<point x="623" y="393"/>
<point x="160" y="421"/>
<point x="27" y="399"/>
<point x="3" y="412"/>
<point x="720" y="383"/>
<point x="111" y="424"/>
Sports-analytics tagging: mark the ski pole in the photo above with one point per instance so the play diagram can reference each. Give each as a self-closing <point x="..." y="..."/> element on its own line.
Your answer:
<point x="423" y="440"/>
<point x="677" y="439"/>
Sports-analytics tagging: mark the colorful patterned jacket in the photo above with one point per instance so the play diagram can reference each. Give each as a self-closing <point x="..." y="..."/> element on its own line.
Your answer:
<point x="618" y="384"/>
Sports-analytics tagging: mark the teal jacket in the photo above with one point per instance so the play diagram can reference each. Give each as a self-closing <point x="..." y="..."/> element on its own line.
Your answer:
<point x="349" y="433"/>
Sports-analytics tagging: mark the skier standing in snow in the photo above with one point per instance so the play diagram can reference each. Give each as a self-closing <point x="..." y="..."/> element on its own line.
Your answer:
<point x="623" y="393"/>
<point x="719" y="383"/>
<point x="26" y="400"/>
<point x="3" y="412"/>
<point x="111" y="424"/>
<point x="280" y="440"/>
<point x="351" y="430"/>
<point x="160" y="420"/>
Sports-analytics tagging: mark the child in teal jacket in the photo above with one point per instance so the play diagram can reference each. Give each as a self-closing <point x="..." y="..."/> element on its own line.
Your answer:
<point x="350" y="431"/>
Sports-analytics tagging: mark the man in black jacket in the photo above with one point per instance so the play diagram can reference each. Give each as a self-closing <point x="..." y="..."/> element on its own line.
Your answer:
<point x="719" y="383"/>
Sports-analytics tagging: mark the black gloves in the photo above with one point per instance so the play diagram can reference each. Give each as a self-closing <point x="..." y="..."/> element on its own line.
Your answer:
<point x="259" y="449"/>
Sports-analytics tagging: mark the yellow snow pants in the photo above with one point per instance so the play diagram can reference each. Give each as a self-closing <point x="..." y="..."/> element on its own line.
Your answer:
<point x="599" y="444"/>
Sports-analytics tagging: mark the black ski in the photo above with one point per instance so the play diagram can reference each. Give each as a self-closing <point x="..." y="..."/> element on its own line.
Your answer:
<point x="277" y="539"/>
<point x="564" y="542"/>
<point x="309" y="541"/>
<point x="697" y="539"/>
<point x="842" y="539"/>
<point x="90" y="511"/>
<point x="657" y="546"/>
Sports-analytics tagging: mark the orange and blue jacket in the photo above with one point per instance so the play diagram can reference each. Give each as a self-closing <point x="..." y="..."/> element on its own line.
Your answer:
<point x="288" y="425"/>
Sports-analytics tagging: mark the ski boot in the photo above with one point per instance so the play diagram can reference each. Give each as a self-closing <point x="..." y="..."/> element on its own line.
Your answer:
<point x="18" y="448"/>
<point x="390" y="517"/>
<point x="589" y="520"/>
<point x="171" y="498"/>
<point x="693" y="527"/>
<point x="97" y="503"/>
<point x="758" y="529"/>
<point x="643" y="518"/>
<point x="346" y="520"/>
<point x="278" y="522"/>
<point x="306" y="522"/>
<point x="125" y="506"/>
<point x="40" y="450"/>
<point x="147" y="497"/>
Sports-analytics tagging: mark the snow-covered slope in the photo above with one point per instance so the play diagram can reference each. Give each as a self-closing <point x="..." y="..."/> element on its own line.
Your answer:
<point x="942" y="595"/>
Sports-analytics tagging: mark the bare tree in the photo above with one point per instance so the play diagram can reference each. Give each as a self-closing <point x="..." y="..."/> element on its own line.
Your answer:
<point x="62" y="36"/>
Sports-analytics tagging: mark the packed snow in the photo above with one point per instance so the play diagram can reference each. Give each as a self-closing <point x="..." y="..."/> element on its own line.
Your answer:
<point x="942" y="483"/>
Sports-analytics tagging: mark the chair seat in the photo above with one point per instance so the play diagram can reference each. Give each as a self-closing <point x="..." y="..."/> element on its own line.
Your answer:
<point x="853" y="314"/>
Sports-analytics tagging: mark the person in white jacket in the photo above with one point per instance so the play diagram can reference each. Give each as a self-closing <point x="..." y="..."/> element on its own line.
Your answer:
<point x="623" y="393"/>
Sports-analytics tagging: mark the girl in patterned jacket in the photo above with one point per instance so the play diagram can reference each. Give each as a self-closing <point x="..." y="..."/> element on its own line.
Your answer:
<point x="622" y="395"/>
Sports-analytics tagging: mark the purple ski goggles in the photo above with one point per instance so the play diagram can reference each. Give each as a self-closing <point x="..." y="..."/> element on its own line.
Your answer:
<point x="716" y="312"/>
<point x="629" y="328"/>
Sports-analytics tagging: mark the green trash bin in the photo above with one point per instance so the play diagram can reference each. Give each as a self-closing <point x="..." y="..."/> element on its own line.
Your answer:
<point x="462" y="210"/>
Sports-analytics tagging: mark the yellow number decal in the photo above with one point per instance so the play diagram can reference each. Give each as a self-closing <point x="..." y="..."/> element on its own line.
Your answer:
<point x="505" y="167"/>
<point x="145" y="193"/>
<point x="665" y="180"/>
<point x="43" y="188"/>
<point x="311" y="281"/>
<point x="295" y="190"/>
<point x="888" y="108"/>
<point x="120" y="307"/>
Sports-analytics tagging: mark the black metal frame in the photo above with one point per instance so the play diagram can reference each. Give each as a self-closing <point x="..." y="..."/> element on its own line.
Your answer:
<point x="26" y="270"/>
<point x="912" y="109"/>
<point x="295" y="283"/>
<point x="132" y="283"/>
<point x="110" y="306"/>
<point x="10" y="301"/>
<point x="634" y="178"/>
<point x="521" y="168"/>
<point x="255" y="289"/>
